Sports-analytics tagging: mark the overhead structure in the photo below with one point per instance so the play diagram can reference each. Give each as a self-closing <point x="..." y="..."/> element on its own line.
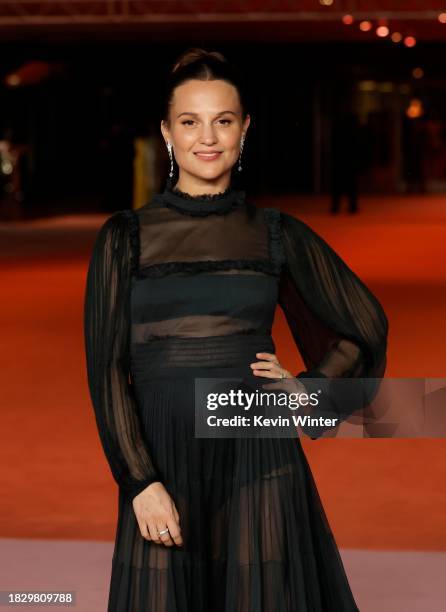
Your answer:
<point x="333" y="17"/>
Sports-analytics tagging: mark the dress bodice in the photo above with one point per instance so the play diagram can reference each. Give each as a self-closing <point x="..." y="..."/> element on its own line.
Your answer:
<point x="203" y="266"/>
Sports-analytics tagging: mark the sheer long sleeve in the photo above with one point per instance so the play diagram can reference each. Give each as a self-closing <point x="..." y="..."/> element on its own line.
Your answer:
<point x="339" y="326"/>
<point x="107" y="347"/>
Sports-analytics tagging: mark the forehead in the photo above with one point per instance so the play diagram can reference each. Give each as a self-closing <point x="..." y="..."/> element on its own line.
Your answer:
<point x="196" y="96"/>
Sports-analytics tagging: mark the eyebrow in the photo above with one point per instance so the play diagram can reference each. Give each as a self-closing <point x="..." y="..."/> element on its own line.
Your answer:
<point x="217" y="115"/>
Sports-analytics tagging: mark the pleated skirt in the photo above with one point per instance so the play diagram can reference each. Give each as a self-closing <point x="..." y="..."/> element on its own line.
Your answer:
<point x="256" y="537"/>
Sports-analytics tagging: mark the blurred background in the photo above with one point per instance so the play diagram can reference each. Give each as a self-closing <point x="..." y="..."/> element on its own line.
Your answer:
<point x="79" y="100"/>
<point x="348" y="109"/>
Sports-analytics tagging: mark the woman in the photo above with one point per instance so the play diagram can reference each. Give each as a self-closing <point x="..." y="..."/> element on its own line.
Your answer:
<point x="186" y="287"/>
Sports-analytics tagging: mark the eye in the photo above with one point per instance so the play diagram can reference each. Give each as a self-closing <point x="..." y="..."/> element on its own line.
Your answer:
<point x="226" y="120"/>
<point x="187" y="121"/>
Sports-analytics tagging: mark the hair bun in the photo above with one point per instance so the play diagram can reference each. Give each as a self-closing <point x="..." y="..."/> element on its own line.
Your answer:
<point x="194" y="54"/>
<point x="199" y="64"/>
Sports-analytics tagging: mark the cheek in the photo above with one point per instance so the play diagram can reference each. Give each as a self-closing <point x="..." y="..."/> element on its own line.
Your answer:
<point x="230" y="140"/>
<point x="184" y="141"/>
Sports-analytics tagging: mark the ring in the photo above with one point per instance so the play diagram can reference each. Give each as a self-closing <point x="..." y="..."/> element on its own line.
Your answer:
<point x="163" y="531"/>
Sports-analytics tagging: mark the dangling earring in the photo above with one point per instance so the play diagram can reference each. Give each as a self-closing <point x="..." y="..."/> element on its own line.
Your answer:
<point x="169" y="149"/>
<point x="242" y="141"/>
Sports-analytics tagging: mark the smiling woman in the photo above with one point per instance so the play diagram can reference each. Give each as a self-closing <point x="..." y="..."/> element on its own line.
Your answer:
<point x="205" y="123"/>
<point x="186" y="287"/>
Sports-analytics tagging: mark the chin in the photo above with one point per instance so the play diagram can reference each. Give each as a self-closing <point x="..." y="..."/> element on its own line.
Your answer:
<point x="211" y="174"/>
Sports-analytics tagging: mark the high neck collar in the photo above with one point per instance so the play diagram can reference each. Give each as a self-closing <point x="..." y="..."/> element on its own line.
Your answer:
<point x="203" y="204"/>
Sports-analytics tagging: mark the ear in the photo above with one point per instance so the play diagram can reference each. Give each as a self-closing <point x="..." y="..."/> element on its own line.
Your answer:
<point x="165" y="131"/>
<point x="246" y="123"/>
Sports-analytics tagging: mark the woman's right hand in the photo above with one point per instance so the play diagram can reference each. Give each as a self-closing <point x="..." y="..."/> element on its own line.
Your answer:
<point x="155" y="511"/>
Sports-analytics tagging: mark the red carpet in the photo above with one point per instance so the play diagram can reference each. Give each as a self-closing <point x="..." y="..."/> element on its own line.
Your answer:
<point x="382" y="494"/>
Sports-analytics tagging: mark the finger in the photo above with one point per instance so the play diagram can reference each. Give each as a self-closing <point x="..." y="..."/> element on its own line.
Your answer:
<point x="143" y="529"/>
<point x="267" y="356"/>
<point x="266" y="373"/>
<point x="175" y="532"/>
<point x="259" y="365"/>
<point x="154" y="532"/>
<point x="165" y="537"/>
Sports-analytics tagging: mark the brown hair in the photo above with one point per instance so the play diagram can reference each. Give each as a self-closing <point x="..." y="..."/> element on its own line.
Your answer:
<point x="196" y="63"/>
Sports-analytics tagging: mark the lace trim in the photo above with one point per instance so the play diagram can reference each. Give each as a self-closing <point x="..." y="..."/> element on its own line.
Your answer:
<point x="276" y="248"/>
<point x="134" y="237"/>
<point x="251" y="331"/>
<point x="209" y="265"/>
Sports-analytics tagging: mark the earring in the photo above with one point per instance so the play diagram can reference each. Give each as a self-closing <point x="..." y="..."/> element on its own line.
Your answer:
<point x="242" y="141"/>
<point x="169" y="149"/>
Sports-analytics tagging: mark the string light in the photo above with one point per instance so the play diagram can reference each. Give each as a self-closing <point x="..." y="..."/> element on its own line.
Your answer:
<point x="442" y="17"/>
<point x="365" y="26"/>
<point x="382" y="31"/>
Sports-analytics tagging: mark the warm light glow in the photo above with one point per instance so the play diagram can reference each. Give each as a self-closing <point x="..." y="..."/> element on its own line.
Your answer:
<point x="415" y="109"/>
<point x="442" y="17"/>
<point x="382" y="31"/>
<point x="397" y="37"/>
<point x="418" y="73"/>
<point x="348" y="19"/>
<point x="367" y="85"/>
<point x="365" y="26"/>
<point x="326" y="2"/>
<point x="13" y="80"/>
<point x="386" y="87"/>
<point x="410" y="41"/>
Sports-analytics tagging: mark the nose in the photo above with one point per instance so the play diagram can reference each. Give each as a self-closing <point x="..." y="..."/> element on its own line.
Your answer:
<point x="207" y="135"/>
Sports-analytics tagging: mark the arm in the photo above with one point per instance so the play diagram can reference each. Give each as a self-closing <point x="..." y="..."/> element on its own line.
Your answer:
<point x="106" y="334"/>
<point x="339" y="326"/>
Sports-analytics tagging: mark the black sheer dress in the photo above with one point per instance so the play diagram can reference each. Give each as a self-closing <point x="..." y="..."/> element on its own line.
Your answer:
<point x="187" y="287"/>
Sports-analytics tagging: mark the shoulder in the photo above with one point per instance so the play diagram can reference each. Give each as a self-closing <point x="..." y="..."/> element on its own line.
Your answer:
<point x="118" y="220"/>
<point x="298" y="230"/>
<point x="123" y="223"/>
<point x="117" y="240"/>
<point x="285" y="223"/>
<point x="292" y="222"/>
<point x="117" y="230"/>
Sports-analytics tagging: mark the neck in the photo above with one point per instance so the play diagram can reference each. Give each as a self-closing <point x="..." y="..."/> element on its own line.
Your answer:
<point x="204" y="203"/>
<point x="194" y="186"/>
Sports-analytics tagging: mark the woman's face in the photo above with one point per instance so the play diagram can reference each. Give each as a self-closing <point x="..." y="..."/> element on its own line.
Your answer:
<point x="205" y="116"/>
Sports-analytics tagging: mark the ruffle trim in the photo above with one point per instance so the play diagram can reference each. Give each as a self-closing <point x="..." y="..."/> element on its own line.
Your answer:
<point x="201" y="196"/>
<point x="134" y="237"/>
<point x="201" y="205"/>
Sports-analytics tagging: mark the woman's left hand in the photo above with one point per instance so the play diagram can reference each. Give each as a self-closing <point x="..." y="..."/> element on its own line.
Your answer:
<point x="270" y="367"/>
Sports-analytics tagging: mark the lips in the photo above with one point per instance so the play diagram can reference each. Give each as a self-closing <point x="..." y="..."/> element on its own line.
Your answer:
<point x="208" y="156"/>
